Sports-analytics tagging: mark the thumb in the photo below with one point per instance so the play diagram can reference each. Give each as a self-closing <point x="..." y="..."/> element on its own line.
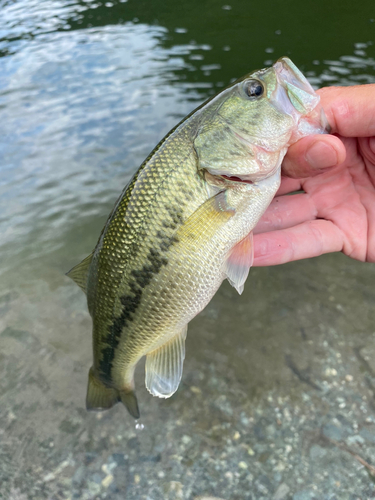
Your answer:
<point x="312" y="155"/>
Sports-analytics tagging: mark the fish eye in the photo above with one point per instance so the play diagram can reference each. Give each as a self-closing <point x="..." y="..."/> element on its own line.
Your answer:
<point x="253" y="89"/>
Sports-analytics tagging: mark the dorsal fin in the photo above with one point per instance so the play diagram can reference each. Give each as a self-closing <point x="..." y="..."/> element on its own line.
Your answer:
<point x="80" y="272"/>
<point x="164" y="366"/>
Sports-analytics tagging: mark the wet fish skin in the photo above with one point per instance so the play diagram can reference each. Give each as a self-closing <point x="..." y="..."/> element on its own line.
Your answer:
<point x="182" y="225"/>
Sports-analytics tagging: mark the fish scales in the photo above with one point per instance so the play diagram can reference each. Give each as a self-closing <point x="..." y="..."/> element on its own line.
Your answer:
<point x="141" y="231"/>
<point x="183" y="224"/>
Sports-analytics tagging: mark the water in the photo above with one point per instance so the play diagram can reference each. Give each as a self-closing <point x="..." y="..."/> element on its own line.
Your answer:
<point x="139" y="426"/>
<point x="87" y="88"/>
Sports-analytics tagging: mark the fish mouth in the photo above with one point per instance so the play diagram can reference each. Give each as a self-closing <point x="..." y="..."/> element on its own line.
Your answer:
<point x="224" y="180"/>
<point x="295" y="96"/>
<point x="297" y="88"/>
<point x="234" y="178"/>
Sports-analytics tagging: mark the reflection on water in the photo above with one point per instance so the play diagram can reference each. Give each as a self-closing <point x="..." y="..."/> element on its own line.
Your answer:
<point x="87" y="88"/>
<point x="82" y="109"/>
<point x="82" y="112"/>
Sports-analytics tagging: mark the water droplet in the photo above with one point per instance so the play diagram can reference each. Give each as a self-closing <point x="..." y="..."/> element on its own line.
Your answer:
<point x="139" y="426"/>
<point x="278" y="32"/>
<point x="226" y="7"/>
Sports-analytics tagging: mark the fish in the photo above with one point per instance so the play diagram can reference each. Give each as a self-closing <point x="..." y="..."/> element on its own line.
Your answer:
<point x="183" y="224"/>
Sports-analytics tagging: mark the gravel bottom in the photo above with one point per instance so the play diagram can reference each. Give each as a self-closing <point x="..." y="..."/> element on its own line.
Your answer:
<point x="276" y="402"/>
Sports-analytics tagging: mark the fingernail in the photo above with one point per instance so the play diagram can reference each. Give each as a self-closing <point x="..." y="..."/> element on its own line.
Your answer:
<point x="321" y="155"/>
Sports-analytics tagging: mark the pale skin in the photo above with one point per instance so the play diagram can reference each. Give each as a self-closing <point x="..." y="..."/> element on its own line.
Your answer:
<point x="336" y="212"/>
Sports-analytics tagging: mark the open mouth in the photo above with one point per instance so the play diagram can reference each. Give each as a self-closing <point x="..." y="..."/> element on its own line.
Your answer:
<point x="236" y="179"/>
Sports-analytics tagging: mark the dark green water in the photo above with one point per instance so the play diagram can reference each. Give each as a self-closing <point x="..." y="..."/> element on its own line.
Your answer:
<point x="87" y="88"/>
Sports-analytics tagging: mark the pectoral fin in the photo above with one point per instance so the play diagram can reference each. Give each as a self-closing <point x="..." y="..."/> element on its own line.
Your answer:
<point x="164" y="366"/>
<point x="239" y="261"/>
<point x="205" y="221"/>
<point x="80" y="272"/>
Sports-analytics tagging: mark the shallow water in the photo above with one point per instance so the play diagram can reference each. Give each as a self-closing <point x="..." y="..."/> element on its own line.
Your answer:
<point x="87" y="89"/>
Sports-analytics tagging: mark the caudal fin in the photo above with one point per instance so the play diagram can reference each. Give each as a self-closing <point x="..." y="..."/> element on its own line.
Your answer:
<point x="100" y="397"/>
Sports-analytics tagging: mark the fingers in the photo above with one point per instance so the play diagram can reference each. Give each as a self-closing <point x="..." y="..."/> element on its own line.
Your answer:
<point x="286" y="211"/>
<point x="288" y="185"/>
<point x="306" y="240"/>
<point x="351" y="113"/>
<point x="350" y="110"/>
<point x="312" y="155"/>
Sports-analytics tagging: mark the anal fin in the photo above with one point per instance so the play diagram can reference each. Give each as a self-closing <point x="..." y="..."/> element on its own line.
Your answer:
<point x="164" y="366"/>
<point x="238" y="262"/>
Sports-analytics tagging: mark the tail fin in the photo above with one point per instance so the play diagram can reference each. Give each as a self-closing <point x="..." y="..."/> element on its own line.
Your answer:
<point x="100" y="397"/>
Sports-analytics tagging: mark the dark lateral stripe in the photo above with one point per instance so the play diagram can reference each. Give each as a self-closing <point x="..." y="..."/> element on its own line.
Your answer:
<point x="138" y="280"/>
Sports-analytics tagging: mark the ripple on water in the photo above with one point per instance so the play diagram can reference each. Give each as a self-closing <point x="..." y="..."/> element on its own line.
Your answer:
<point x="76" y="105"/>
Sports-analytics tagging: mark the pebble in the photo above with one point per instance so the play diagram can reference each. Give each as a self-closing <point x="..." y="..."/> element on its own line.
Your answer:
<point x="317" y="452"/>
<point x="207" y="498"/>
<point x="242" y="465"/>
<point x="186" y="439"/>
<point x="281" y="492"/>
<point x="107" y="481"/>
<point x="79" y="474"/>
<point x="331" y="431"/>
<point x="304" y="495"/>
<point x="195" y="389"/>
<point x="355" y="440"/>
<point x="96" y="478"/>
<point x="368" y="436"/>
<point x="52" y="475"/>
<point x="11" y="417"/>
<point x="330" y="372"/>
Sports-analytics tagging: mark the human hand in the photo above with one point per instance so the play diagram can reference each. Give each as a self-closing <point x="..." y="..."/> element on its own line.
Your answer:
<point x="336" y="211"/>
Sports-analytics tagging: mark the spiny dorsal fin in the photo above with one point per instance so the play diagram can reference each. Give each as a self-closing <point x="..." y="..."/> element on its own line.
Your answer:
<point x="238" y="262"/>
<point x="80" y="272"/>
<point x="164" y="366"/>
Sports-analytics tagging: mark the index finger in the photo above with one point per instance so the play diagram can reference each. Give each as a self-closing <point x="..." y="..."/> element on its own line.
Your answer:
<point x="350" y="110"/>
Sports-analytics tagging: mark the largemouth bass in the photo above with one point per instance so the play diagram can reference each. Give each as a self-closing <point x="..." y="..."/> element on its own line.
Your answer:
<point x="183" y="224"/>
